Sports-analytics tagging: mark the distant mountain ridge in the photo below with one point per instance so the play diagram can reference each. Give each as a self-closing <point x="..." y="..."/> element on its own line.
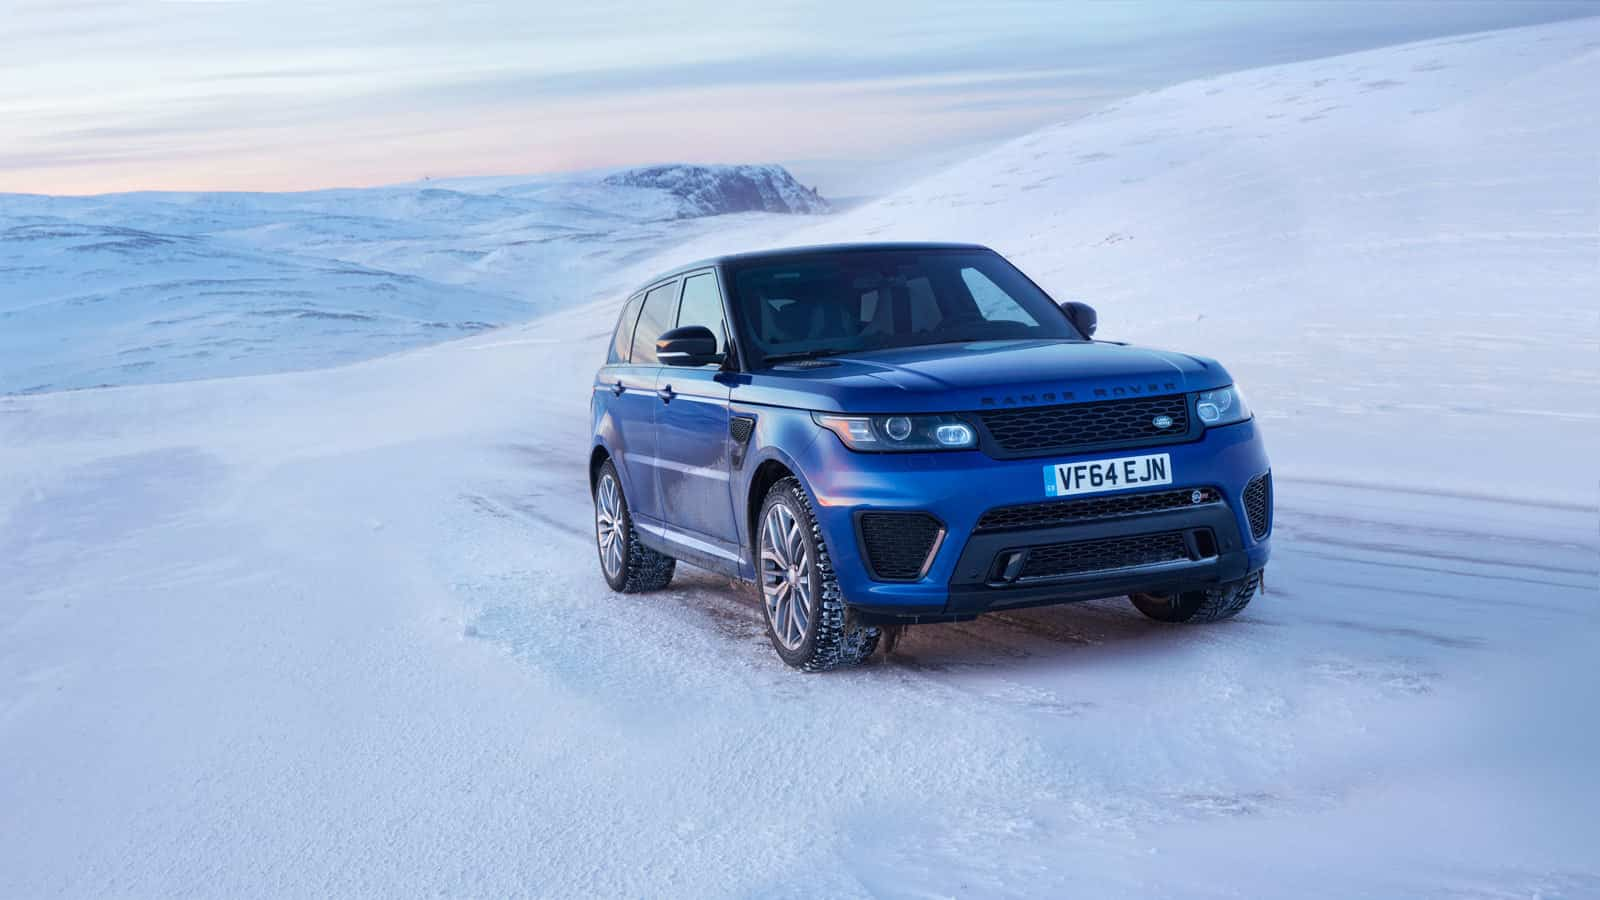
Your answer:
<point x="718" y="190"/>
<point x="166" y="286"/>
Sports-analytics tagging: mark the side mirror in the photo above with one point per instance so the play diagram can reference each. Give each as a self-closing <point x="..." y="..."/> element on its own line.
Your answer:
<point x="691" y="345"/>
<point x="1082" y="316"/>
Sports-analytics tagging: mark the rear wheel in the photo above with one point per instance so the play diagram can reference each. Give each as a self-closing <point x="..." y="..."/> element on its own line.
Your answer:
<point x="807" y="620"/>
<point x="1212" y="604"/>
<point x="629" y="566"/>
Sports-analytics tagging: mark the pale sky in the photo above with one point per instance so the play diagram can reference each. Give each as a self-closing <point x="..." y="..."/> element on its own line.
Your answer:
<point x="102" y="95"/>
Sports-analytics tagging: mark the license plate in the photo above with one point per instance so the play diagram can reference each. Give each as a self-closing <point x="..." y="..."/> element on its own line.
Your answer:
<point x="1099" y="475"/>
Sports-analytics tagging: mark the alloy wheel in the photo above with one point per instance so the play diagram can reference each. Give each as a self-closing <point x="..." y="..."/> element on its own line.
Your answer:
<point x="785" y="576"/>
<point x="608" y="524"/>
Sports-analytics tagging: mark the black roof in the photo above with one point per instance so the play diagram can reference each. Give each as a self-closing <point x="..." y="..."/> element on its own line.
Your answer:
<point x="813" y="250"/>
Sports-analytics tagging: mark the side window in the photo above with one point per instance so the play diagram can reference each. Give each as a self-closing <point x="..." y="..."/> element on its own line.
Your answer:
<point x="993" y="303"/>
<point x="702" y="305"/>
<point x="660" y="307"/>
<point x="622" y="341"/>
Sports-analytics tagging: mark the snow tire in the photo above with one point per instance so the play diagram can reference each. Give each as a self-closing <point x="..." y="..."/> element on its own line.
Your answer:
<point x="632" y="568"/>
<point x="1212" y="604"/>
<point x="833" y="637"/>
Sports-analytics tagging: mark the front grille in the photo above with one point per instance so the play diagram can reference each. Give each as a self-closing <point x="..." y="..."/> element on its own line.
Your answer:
<point x="897" y="544"/>
<point x="1052" y="560"/>
<point x="1067" y="512"/>
<point x="1258" y="505"/>
<point x="1049" y="429"/>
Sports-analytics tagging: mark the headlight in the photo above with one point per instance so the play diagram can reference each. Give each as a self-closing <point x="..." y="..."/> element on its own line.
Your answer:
<point x="1223" y="406"/>
<point x="891" y="433"/>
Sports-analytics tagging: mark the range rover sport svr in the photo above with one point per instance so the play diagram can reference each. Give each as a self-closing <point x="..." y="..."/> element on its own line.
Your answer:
<point x="888" y="434"/>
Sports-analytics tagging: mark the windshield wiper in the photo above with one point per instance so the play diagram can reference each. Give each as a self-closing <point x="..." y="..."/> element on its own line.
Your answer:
<point x="818" y="353"/>
<point x="953" y="340"/>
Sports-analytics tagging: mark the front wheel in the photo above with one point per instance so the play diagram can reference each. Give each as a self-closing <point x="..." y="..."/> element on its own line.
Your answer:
<point x="629" y="566"/>
<point x="1213" y="604"/>
<point x="807" y="620"/>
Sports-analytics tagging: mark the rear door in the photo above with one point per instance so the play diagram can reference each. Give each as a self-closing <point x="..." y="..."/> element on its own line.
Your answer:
<point x="692" y="444"/>
<point x="635" y="399"/>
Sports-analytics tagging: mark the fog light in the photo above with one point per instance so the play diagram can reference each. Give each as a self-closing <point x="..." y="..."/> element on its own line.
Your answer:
<point x="1008" y="567"/>
<point x="953" y="435"/>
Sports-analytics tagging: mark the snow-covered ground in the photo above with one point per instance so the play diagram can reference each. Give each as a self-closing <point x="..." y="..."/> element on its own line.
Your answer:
<point x="342" y="632"/>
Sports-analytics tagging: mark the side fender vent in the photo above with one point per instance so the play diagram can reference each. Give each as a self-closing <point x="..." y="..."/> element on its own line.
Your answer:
<point x="740" y="428"/>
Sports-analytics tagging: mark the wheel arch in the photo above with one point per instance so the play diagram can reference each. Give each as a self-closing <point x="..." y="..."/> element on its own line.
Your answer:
<point x="772" y="466"/>
<point x="597" y="458"/>
<point x="771" y="471"/>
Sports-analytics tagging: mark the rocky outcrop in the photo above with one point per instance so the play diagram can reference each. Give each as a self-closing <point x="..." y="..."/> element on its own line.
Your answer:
<point x="717" y="190"/>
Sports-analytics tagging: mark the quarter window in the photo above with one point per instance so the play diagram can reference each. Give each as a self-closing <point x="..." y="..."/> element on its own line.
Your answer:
<point x="660" y="307"/>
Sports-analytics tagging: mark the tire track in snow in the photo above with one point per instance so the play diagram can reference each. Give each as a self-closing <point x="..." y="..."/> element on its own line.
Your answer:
<point x="1249" y="711"/>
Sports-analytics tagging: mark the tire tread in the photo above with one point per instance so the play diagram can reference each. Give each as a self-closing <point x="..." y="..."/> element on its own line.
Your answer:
<point x="643" y="569"/>
<point x="840" y="641"/>
<point x="1212" y="604"/>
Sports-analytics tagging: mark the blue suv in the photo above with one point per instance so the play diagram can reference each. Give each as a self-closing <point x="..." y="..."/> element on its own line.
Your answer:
<point x="887" y="434"/>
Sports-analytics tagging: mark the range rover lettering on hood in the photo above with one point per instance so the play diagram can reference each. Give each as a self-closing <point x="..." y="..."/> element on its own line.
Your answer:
<point x="1041" y="397"/>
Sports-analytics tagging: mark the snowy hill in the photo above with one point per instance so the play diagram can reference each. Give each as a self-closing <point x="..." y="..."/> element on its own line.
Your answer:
<point x="342" y="632"/>
<point x="90" y="305"/>
<point x="1397" y="242"/>
<point x="142" y="288"/>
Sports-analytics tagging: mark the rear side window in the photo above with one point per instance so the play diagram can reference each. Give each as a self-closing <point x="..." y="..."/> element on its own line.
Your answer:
<point x="660" y="308"/>
<point x="702" y="305"/>
<point x="622" y="341"/>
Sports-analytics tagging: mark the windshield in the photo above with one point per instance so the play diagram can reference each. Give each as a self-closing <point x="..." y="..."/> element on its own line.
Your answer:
<point x="877" y="299"/>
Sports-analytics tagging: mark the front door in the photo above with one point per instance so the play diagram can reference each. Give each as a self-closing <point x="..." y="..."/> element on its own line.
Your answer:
<point x="636" y="400"/>
<point x="692" y="442"/>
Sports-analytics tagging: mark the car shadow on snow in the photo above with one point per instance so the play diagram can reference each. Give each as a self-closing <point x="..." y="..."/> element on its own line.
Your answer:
<point x="1053" y="635"/>
<point x="1050" y="635"/>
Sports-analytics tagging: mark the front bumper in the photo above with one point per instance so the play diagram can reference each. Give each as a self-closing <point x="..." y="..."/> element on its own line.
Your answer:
<point x="957" y="488"/>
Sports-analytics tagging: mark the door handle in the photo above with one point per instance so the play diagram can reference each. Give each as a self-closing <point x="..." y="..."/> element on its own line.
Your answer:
<point x="617" y="389"/>
<point x="665" y="394"/>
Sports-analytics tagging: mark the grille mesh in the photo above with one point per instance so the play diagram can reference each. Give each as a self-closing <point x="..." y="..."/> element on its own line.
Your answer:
<point x="1080" y="425"/>
<point x="1258" y="505"/>
<point x="897" y="544"/>
<point x="1052" y="560"/>
<point x="1066" y="512"/>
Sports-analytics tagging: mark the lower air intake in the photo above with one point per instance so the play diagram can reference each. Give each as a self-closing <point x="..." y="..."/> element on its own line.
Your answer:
<point x="898" y="546"/>
<point x="1258" y="505"/>
<point x="1055" y="560"/>
<point x="1066" y="512"/>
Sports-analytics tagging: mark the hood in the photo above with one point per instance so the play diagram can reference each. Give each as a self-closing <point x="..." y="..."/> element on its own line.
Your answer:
<point x="989" y="375"/>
